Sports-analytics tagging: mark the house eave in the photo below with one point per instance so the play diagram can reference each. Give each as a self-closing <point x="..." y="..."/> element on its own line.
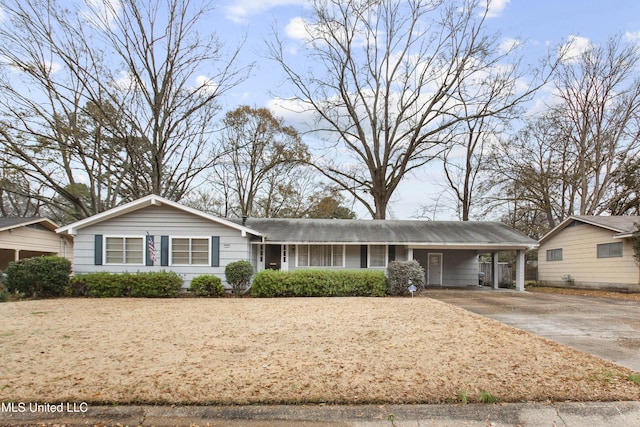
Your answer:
<point x="413" y="245"/>
<point x="151" y="200"/>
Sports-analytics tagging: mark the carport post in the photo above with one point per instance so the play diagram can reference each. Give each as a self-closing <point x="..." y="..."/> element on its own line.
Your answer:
<point x="496" y="271"/>
<point x="520" y="270"/>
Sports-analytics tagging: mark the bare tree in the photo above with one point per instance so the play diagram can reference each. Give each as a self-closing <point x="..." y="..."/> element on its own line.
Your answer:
<point x="600" y="100"/>
<point x="386" y="83"/>
<point x="106" y="97"/>
<point x="578" y="157"/>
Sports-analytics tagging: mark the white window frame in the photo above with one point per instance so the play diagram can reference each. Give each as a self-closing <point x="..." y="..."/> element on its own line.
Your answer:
<point x="124" y="251"/>
<point x="308" y="263"/>
<point x="191" y="238"/>
<point x="386" y="257"/>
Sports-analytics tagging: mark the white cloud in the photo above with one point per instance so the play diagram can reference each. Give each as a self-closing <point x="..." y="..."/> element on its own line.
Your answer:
<point x="206" y="85"/>
<point x="574" y="48"/>
<point x="240" y="10"/>
<point x="297" y="29"/>
<point x="632" y="37"/>
<point x="101" y="14"/>
<point x="508" y="45"/>
<point x="496" y="7"/>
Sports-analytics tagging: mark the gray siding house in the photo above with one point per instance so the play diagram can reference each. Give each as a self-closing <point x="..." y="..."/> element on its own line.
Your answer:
<point x="153" y="233"/>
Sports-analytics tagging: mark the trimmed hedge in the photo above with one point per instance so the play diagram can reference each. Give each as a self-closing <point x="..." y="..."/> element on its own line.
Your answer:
<point x="207" y="285"/>
<point x="319" y="283"/>
<point x="160" y="284"/>
<point x="43" y="276"/>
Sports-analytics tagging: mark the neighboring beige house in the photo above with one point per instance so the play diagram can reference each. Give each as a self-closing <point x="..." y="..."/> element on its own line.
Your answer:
<point x="22" y="238"/>
<point x="590" y="252"/>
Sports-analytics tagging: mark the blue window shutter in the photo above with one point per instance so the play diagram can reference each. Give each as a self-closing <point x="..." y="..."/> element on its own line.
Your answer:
<point x="164" y="251"/>
<point x="97" y="249"/>
<point x="215" y="251"/>
<point x="363" y="256"/>
<point x="149" y="239"/>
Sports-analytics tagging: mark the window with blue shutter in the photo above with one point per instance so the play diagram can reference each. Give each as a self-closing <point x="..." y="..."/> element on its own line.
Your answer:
<point x="215" y="251"/>
<point x="97" y="249"/>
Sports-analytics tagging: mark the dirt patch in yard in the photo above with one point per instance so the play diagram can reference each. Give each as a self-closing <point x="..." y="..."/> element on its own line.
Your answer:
<point x="242" y="351"/>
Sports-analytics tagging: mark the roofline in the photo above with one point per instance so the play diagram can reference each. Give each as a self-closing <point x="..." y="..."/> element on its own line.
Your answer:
<point x="417" y="245"/>
<point x="150" y="200"/>
<point x="52" y="224"/>
<point x="621" y="233"/>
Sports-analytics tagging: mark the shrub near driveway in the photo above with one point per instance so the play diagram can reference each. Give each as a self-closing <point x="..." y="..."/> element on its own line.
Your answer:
<point x="43" y="276"/>
<point x="319" y="283"/>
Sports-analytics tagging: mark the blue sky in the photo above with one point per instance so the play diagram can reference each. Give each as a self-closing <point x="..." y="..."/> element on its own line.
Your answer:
<point x="538" y="23"/>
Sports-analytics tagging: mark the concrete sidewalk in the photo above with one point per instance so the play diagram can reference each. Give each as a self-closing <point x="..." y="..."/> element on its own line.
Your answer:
<point x="592" y="414"/>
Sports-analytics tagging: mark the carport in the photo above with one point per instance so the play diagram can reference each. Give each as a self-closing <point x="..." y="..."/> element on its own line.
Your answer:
<point x="22" y="238"/>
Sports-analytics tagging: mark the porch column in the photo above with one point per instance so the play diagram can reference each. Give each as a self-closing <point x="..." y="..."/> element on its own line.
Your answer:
<point x="520" y="271"/>
<point x="495" y="276"/>
<point x="17" y="255"/>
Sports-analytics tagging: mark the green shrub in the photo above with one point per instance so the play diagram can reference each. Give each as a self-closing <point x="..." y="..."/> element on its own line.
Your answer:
<point x="154" y="284"/>
<point x="402" y="273"/>
<point x="319" y="283"/>
<point x="107" y="285"/>
<point x="44" y="276"/>
<point x="207" y="285"/>
<point x="4" y="295"/>
<point x="238" y="275"/>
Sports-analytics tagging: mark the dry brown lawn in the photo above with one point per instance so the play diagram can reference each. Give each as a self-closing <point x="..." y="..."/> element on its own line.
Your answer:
<point x="241" y="351"/>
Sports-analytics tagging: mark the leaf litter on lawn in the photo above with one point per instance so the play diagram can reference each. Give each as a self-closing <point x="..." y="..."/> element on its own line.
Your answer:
<point x="244" y="351"/>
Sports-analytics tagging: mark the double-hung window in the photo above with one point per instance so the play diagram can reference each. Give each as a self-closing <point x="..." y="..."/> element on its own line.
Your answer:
<point x="124" y="250"/>
<point x="377" y="256"/>
<point x="189" y="251"/>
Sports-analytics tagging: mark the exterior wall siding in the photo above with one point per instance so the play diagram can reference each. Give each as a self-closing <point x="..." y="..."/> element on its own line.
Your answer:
<point x="32" y="239"/>
<point x="161" y="221"/>
<point x="459" y="268"/>
<point x="580" y="267"/>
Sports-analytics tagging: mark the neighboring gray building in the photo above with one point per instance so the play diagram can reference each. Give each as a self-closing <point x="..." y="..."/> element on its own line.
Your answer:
<point x="153" y="233"/>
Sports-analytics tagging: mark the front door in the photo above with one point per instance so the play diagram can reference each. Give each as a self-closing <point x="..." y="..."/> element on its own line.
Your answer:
<point x="434" y="269"/>
<point x="273" y="257"/>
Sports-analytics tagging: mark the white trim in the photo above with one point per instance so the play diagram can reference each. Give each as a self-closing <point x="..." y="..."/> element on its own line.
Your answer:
<point x="151" y="200"/>
<point x="621" y="234"/>
<point x="386" y="256"/>
<point x="297" y="254"/>
<point x="441" y="273"/>
<point x="124" y="237"/>
<point x="49" y="224"/>
<point x="190" y="264"/>
<point x="416" y="245"/>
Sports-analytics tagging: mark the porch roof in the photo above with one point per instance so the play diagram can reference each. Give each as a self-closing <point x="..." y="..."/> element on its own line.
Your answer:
<point x="445" y="234"/>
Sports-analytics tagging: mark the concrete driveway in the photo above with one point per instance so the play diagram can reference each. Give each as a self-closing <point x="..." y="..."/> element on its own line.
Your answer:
<point x="607" y="328"/>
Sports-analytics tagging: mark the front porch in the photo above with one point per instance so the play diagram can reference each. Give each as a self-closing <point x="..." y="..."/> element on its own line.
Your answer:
<point x="443" y="266"/>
